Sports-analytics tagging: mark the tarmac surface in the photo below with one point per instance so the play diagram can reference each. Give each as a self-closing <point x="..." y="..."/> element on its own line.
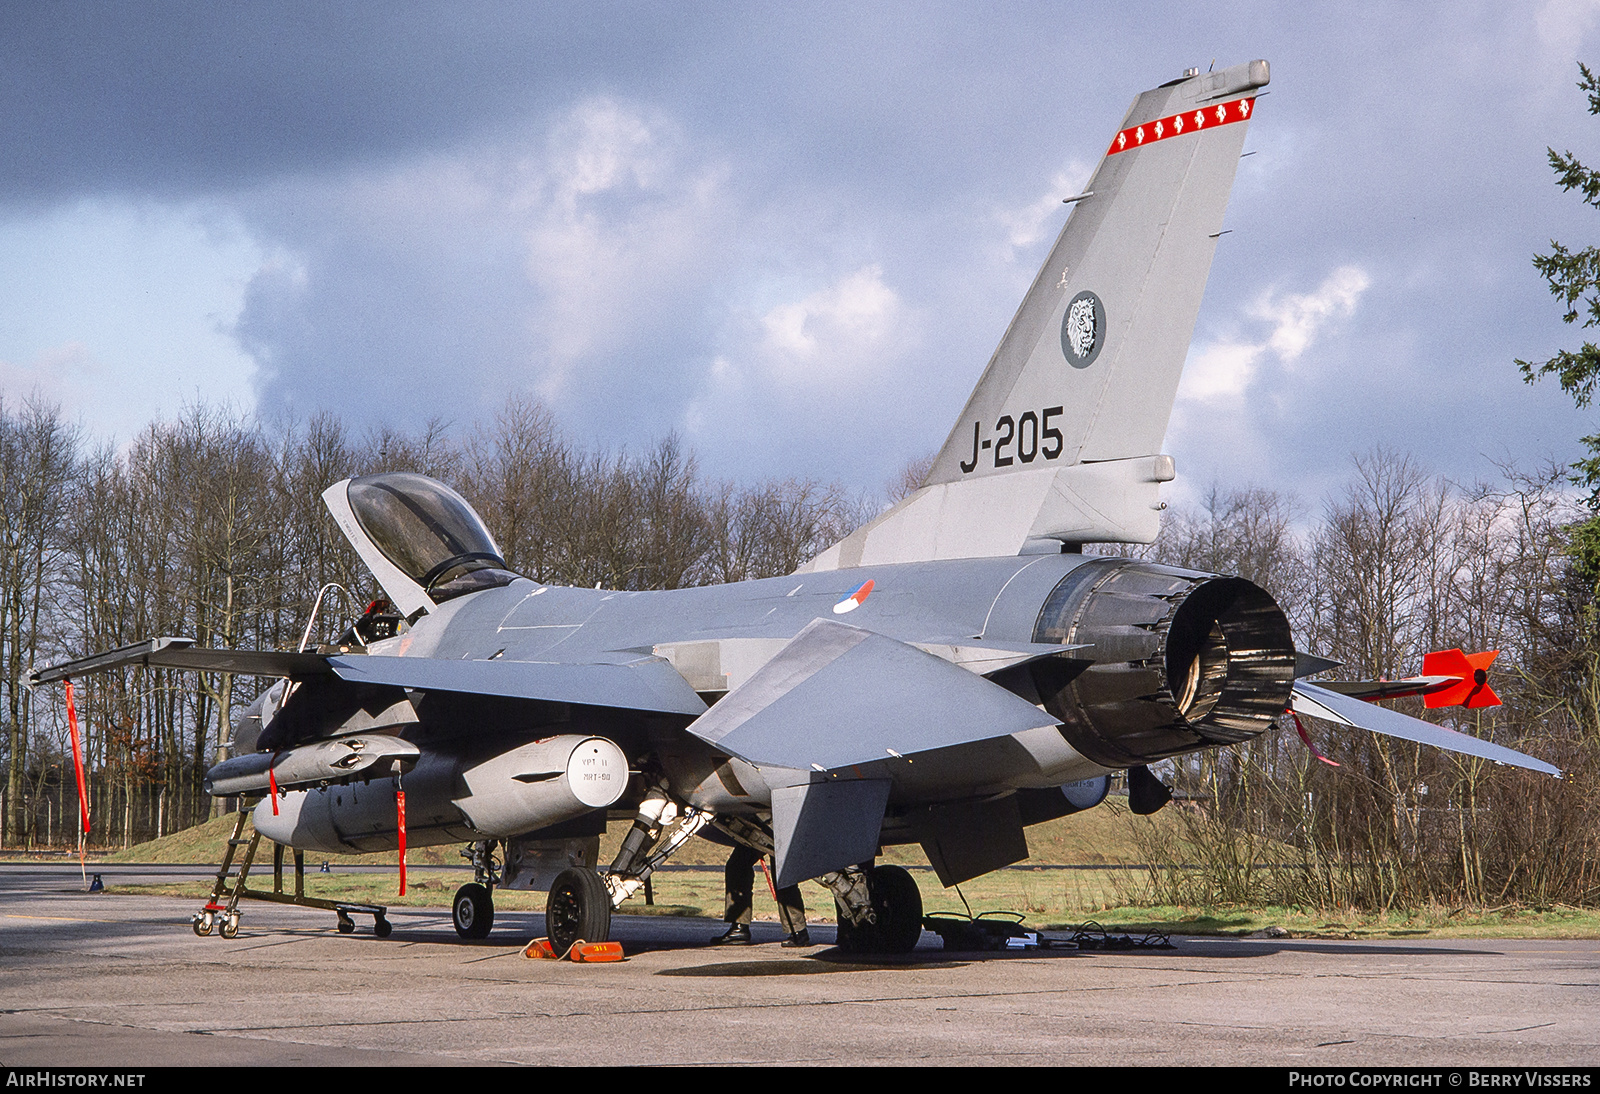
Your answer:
<point x="112" y="980"/>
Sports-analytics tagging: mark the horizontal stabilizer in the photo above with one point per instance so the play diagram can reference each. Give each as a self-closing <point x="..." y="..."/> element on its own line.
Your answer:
<point x="1319" y="702"/>
<point x="839" y="695"/>
<point x="1450" y="679"/>
<point x="1379" y="691"/>
<point x="1309" y="664"/>
<point x="649" y="683"/>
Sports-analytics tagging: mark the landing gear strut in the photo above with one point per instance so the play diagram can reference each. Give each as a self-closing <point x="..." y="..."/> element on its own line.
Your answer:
<point x="581" y="900"/>
<point x="880" y="910"/>
<point x="644" y="847"/>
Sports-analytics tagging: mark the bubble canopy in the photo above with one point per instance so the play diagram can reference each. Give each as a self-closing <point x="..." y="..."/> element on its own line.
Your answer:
<point x="428" y="532"/>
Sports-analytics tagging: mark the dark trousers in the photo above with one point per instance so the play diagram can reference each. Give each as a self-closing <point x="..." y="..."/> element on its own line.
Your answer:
<point x="739" y="879"/>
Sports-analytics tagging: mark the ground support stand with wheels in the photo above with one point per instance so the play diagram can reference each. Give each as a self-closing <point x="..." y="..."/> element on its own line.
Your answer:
<point x="225" y="917"/>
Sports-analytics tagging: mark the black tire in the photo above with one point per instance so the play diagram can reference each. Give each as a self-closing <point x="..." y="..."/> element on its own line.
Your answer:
<point x="579" y="907"/>
<point x="473" y="911"/>
<point x="382" y="927"/>
<point x="203" y="923"/>
<point x="230" y="926"/>
<point x="898" y="902"/>
<point x="346" y="924"/>
<point x="851" y="938"/>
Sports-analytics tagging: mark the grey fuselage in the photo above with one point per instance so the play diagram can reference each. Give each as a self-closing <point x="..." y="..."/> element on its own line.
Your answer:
<point x="995" y="599"/>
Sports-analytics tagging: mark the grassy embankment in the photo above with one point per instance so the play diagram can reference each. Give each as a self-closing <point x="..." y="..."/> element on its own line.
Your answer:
<point x="1104" y="838"/>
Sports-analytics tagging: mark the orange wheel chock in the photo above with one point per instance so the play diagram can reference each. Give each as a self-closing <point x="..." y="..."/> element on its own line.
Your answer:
<point x="593" y="952"/>
<point x="540" y="947"/>
<point x="581" y="952"/>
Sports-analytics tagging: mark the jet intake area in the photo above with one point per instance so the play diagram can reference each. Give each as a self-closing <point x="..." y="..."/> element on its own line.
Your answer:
<point x="1180" y="660"/>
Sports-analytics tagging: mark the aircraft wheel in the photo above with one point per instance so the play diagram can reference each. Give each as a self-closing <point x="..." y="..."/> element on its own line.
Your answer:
<point x="898" y="902"/>
<point x="851" y="938"/>
<point x="203" y="923"/>
<point x="473" y="911"/>
<point x="230" y="926"/>
<point x="579" y="907"/>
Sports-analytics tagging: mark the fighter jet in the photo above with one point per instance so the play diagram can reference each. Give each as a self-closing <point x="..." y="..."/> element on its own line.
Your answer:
<point x="953" y="671"/>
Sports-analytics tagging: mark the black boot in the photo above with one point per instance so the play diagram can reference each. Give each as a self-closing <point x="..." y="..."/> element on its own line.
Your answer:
<point x="737" y="934"/>
<point x="800" y="938"/>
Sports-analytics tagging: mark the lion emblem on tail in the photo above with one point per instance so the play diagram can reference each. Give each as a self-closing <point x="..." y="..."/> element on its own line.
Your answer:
<point x="1081" y="329"/>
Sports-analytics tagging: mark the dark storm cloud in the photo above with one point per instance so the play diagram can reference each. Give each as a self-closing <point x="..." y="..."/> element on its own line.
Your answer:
<point x="168" y="97"/>
<point x="157" y="96"/>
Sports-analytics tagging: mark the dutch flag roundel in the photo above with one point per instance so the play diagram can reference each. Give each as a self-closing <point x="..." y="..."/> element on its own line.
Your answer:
<point x="853" y="601"/>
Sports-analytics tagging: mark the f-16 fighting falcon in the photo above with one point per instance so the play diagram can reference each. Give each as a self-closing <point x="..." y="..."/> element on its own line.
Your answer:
<point x="948" y="674"/>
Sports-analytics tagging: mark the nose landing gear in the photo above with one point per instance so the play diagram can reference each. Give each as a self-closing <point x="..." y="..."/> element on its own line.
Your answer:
<point x="472" y="911"/>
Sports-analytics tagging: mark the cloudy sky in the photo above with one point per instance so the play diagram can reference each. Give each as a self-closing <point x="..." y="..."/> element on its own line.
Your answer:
<point x="791" y="232"/>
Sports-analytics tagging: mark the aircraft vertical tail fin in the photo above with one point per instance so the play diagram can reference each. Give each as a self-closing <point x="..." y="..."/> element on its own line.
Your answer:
<point x="1061" y="439"/>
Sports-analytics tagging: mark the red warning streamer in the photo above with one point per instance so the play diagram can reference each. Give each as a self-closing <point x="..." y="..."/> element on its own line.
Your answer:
<point x="1306" y="737"/>
<point x="272" y="783"/>
<point x="400" y="812"/>
<point x="77" y="758"/>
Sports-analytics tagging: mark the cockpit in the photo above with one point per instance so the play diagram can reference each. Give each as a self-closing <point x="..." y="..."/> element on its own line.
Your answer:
<point x="427" y="532"/>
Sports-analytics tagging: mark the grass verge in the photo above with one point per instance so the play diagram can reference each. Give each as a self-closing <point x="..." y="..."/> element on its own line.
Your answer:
<point x="1047" y="898"/>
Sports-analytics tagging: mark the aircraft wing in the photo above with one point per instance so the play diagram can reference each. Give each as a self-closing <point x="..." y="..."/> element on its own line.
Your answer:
<point x="646" y="683"/>
<point x="838" y="695"/>
<point x="1320" y="702"/>
<point x="182" y="653"/>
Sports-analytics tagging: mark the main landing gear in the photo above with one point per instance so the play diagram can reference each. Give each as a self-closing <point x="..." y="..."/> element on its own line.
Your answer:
<point x="578" y="909"/>
<point x="581" y="900"/>
<point x="880" y="910"/>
